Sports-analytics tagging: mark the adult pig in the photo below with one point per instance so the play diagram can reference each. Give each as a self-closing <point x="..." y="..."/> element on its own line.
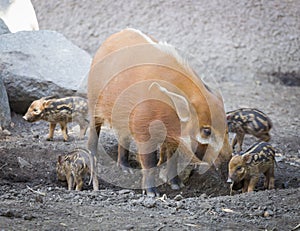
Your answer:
<point x="147" y="92"/>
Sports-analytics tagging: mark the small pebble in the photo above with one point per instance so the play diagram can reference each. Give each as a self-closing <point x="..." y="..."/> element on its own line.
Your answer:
<point x="268" y="213"/>
<point x="178" y="197"/>
<point x="6" y="132"/>
<point x="28" y="217"/>
<point x="124" y="191"/>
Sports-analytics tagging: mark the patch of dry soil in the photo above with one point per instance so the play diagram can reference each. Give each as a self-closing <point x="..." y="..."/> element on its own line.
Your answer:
<point x="32" y="198"/>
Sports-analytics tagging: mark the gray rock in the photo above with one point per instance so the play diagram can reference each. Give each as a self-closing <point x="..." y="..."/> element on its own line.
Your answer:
<point x="3" y="28"/>
<point x="40" y="63"/>
<point x="5" y="132"/>
<point x="5" y="117"/>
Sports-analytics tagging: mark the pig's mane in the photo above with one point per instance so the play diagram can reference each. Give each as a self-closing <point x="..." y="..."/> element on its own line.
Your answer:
<point x="168" y="49"/>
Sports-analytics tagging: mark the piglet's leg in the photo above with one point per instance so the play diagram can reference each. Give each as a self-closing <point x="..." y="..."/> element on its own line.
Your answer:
<point x="79" y="183"/>
<point x="252" y="183"/>
<point x="269" y="179"/>
<point x="245" y="187"/>
<point x="240" y="139"/>
<point x="64" y="130"/>
<point x="264" y="136"/>
<point x="70" y="181"/>
<point x="51" y="131"/>
<point x="162" y="154"/>
<point x="234" y="141"/>
<point x="271" y="183"/>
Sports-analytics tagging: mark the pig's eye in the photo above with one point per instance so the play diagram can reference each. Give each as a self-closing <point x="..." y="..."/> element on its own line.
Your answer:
<point x="239" y="168"/>
<point x="206" y="131"/>
<point x="35" y="110"/>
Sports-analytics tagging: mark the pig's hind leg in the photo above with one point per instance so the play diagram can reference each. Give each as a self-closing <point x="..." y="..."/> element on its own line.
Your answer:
<point x="149" y="162"/>
<point x="64" y="130"/>
<point x="123" y="154"/>
<point x="83" y="127"/>
<point x="172" y="173"/>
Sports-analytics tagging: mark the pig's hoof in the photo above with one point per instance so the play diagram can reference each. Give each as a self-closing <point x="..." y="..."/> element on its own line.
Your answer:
<point x="176" y="183"/>
<point x="126" y="169"/>
<point x="151" y="192"/>
<point x="49" y="139"/>
<point x="175" y="187"/>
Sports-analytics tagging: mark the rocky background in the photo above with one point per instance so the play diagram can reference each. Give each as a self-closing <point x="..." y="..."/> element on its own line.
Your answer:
<point x="232" y="39"/>
<point x="250" y="48"/>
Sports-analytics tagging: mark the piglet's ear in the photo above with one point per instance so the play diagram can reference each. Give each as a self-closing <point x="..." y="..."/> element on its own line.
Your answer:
<point x="247" y="158"/>
<point x="60" y="159"/>
<point x="46" y="103"/>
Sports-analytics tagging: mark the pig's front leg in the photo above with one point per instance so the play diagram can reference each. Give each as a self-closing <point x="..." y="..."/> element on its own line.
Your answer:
<point x="51" y="131"/>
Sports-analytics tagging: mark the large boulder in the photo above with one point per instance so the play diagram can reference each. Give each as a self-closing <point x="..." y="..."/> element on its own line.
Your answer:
<point x="3" y="28"/>
<point x="40" y="63"/>
<point x="4" y="106"/>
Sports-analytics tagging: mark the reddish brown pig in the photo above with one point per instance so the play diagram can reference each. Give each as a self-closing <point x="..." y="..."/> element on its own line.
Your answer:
<point x="146" y="91"/>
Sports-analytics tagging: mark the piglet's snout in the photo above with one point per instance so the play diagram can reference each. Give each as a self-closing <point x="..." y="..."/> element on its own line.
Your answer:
<point x="229" y="180"/>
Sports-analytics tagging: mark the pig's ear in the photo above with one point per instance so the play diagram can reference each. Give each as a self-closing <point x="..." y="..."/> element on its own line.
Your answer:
<point x="228" y="116"/>
<point x="46" y="103"/>
<point x="247" y="158"/>
<point x="60" y="159"/>
<point x="180" y="102"/>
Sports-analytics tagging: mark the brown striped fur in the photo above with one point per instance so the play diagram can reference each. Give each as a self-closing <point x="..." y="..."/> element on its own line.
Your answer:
<point x="74" y="166"/>
<point x="248" y="121"/>
<point x="245" y="168"/>
<point x="62" y="111"/>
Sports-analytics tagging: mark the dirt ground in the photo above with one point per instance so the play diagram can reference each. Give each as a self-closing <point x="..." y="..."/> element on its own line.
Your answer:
<point x="32" y="198"/>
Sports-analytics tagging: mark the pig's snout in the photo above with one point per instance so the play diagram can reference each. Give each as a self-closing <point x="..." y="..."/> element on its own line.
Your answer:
<point x="28" y="118"/>
<point x="229" y="180"/>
